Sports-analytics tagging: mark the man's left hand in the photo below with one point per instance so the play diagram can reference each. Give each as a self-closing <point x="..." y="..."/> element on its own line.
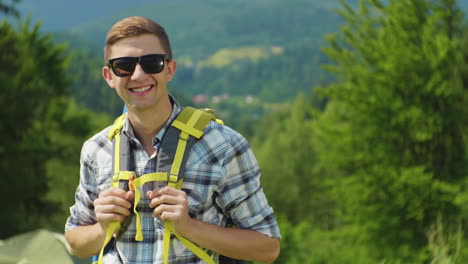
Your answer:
<point x="170" y="205"/>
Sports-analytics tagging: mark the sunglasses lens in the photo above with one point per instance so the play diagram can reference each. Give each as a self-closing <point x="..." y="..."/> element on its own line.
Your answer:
<point x="124" y="67"/>
<point x="152" y="63"/>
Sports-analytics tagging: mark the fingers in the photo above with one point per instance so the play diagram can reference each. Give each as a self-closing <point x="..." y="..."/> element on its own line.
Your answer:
<point x="105" y="218"/>
<point x="165" y="190"/>
<point x="112" y="200"/>
<point x="113" y="204"/>
<point x="170" y="216"/>
<point x="167" y="195"/>
<point x="168" y="203"/>
<point x="112" y="191"/>
<point x="167" y="199"/>
<point x="171" y="212"/>
<point x="130" y="195"/>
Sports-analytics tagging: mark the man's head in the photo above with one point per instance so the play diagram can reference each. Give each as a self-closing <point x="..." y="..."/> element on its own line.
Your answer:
<point x="136" y="26"/>
<point x="139" y="64"/>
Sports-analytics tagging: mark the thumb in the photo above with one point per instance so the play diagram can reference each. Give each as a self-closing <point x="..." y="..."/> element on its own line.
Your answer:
<point x="130" y="195"/>
<point x="150" y="194"/>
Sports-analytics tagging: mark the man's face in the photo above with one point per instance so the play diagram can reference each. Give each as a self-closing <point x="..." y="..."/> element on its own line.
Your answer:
<point x="140" y="91"/>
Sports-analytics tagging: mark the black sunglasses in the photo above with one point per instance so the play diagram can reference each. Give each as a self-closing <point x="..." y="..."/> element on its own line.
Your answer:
<point x="125" y="66"/>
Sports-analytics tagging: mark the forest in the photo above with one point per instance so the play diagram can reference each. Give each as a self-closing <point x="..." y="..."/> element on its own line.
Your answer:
<point x="360" y="127"/>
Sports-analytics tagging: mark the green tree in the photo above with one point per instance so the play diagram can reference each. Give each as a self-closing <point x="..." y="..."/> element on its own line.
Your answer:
<point x="32" y="74"/>
<point x="392" y="134"/>
<point x="69" y="125"/>
<point x="288" y="161"/>
<point x="42" y="131"/>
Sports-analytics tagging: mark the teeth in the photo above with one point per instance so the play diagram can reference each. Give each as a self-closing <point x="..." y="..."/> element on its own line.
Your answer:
<point x="142" y="89"/>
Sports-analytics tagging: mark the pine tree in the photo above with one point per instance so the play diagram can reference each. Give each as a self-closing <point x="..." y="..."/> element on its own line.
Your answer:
<point x="392" y="134"/>
<point x="42" y="131"/>
<point x="32" y="74"/>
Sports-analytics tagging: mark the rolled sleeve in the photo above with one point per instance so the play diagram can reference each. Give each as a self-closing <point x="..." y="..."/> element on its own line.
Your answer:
<point x="82" y="212"/>
<point x="241" y="196"/>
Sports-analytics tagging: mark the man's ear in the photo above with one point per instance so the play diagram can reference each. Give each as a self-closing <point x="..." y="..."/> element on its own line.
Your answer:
<point x="107" y="74"/>
<point x="171" y="69"/>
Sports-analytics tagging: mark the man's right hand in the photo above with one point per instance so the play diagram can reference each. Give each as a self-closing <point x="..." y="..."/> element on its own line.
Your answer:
<point x="113" y="204"/>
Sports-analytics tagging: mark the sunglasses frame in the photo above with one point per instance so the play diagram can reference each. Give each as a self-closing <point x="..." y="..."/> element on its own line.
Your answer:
<point x="135" y="60"/>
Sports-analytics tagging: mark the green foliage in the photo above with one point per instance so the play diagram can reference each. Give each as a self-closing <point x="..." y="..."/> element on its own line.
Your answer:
<point x="288" y="160"/>
<point x="34" y="77"/>
<point x="69" y="125"/>
<point x="199" y="28"/>
<point x="88" y="85"/>
<point x="42" y="131"/>
<point x="388" y="154"/>
<point x="375" y="173"/>
<point x="445" y="246"/>
<point x="240" y="25"/>
<point x="393" y="134"/>
<point x="276" y="78"/>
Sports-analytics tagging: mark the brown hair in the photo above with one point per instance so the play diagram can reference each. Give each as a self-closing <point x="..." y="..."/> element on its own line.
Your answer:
<point x="136" y="26"/>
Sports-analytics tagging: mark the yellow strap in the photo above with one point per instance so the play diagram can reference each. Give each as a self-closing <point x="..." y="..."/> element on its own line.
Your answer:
<point x="155" y="176"/>
<point x="194" y="118"/>
<point x="111" y="230"/>
<point x="190" y="130"/>
<point x="117" y="126"/>
<point x="116" y="158"/>
<point x="193" y="121"/>
<point x="114" y="226"/>
<point x="120" y="176"/>
<point x="140" y="181"/>
<point x="183" y="137"/>
<point x="167" y="240"/>
<point x="195" y="249"/>
<point x="179" y="155"/>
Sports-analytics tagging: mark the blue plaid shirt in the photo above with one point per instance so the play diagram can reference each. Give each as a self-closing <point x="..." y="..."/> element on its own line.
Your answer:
<point x="222" y="182"/>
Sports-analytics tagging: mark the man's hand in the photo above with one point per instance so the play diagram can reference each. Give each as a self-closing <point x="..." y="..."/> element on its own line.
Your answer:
<point x="112" y="204"/>
<point x="170" y="204"/>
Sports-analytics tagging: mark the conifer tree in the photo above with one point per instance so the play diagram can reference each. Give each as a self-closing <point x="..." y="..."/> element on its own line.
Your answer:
<point x="42" y="131"/>
<point x="392" y="133"/>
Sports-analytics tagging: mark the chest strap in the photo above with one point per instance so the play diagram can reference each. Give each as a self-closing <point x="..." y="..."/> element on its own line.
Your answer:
<point x="190" y="124"/>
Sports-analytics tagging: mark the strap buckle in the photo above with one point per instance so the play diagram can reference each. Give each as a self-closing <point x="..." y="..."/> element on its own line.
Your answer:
<point x="171" y="177"/>
<point x="116" y="177"/>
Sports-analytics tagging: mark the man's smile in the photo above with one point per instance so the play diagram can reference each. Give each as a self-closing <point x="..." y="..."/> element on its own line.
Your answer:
<point x="142" y="89"/>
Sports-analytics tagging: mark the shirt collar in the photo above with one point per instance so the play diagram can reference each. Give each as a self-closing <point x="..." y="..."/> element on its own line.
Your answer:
<point x="176" y="109"/>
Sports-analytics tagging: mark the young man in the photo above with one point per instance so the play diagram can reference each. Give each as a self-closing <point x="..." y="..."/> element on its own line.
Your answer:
<point x="221" y="180"/>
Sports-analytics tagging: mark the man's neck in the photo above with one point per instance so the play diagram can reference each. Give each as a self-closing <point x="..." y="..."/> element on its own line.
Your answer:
<point x="147" y="124"/>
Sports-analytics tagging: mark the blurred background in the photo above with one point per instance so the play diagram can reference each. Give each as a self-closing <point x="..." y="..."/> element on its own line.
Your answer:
<point x="356" y="111"/>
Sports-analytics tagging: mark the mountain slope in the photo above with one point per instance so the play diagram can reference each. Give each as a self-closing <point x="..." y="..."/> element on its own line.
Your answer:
<point x="199" y="28"/>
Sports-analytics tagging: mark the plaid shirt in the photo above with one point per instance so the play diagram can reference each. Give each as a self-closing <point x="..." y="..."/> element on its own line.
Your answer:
<point x="221" y="181"/>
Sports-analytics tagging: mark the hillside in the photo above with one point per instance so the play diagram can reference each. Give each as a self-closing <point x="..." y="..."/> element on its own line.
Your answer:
<point x="228" y="51"/>
<point x="198" y="28"/>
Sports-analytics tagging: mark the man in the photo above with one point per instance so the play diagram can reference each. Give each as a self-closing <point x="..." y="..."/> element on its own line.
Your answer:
<point x="221" y="176"/>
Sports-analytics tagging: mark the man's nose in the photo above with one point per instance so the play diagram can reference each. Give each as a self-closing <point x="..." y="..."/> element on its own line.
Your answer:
<point x="138" y="73"/>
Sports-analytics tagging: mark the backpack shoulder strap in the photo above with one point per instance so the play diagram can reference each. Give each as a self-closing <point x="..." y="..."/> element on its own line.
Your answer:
<point x="121" y="153"/>
<point x="120" y="164"/>
<point x="178" y="140"/>
<point x="193" y="121"/>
